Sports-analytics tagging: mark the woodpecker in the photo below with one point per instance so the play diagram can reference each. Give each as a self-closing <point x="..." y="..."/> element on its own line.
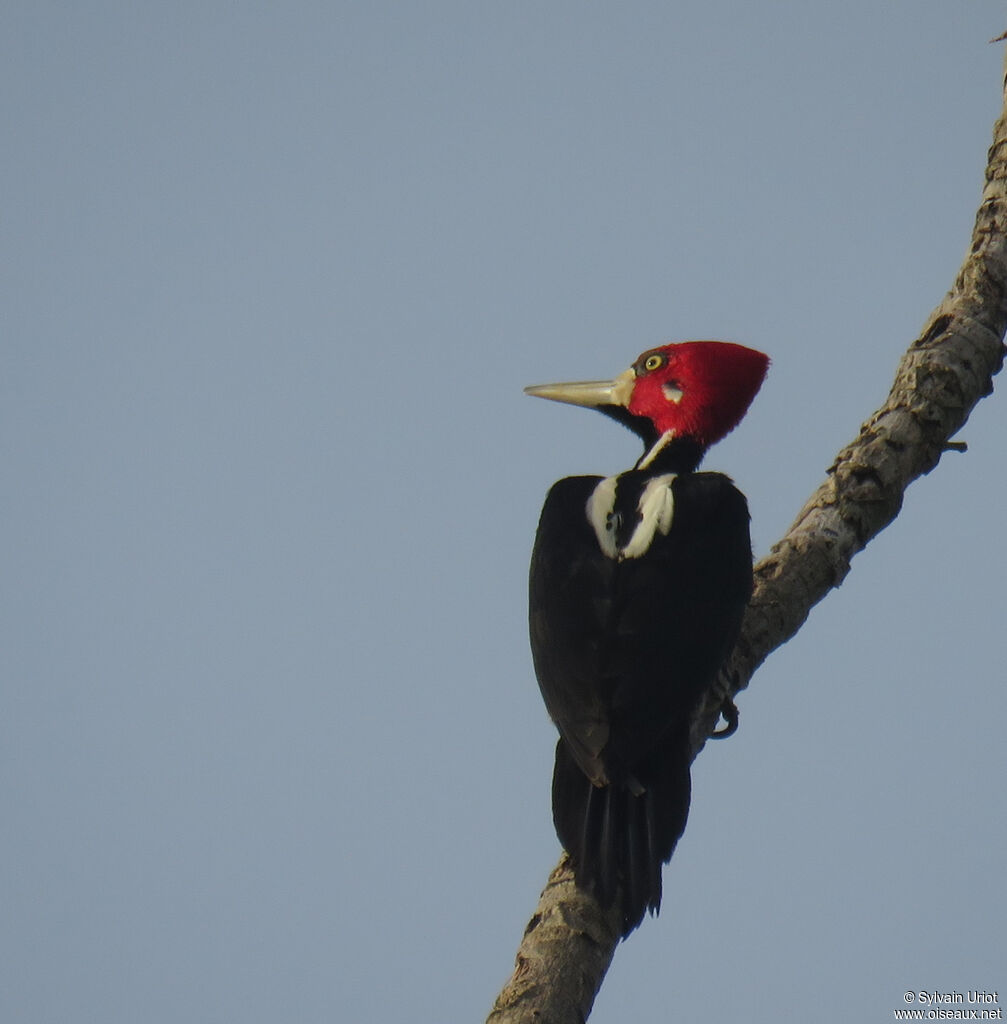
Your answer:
<point x="637" y="589"/>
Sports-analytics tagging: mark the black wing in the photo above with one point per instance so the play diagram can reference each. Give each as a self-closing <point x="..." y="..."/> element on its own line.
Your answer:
<point x="623" y="649"/>
<point x="569" y="607"/>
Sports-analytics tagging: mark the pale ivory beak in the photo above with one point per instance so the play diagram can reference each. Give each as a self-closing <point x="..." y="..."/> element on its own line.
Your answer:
<point x="590" y="393"/>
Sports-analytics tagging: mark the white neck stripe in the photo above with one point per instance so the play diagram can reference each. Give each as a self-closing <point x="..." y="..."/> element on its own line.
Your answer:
<point x="655" y="507"/>
<point x="656" y="449"/>
<point x="600" y="515"/>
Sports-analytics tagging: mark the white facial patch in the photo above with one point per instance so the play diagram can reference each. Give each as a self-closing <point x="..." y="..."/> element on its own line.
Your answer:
<point x="655" y="511"/>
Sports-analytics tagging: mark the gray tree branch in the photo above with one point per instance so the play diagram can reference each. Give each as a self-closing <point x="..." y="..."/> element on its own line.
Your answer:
<point x="570" y="940"/>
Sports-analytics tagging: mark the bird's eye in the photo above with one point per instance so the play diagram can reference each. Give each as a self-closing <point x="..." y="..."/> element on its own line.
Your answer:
<point x="654" y="362"/>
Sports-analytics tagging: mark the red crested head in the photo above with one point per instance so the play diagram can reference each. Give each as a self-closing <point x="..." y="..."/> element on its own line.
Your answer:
<point x="696" y="391"/>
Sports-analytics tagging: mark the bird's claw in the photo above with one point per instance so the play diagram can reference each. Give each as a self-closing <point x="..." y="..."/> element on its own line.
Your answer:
<point x="729" y="712"/>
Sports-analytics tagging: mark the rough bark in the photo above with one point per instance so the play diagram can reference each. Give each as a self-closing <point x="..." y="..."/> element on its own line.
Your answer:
<point x="569" y="942"/>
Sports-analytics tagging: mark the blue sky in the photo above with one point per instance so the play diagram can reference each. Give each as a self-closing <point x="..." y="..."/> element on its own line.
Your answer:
<point x="274" y="277"/>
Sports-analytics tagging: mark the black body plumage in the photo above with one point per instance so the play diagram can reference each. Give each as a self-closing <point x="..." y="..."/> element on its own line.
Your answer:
<point x="637" y="590"/>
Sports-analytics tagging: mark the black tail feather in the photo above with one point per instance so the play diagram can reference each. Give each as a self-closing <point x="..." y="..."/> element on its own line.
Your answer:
<point x="619" y="839"/>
